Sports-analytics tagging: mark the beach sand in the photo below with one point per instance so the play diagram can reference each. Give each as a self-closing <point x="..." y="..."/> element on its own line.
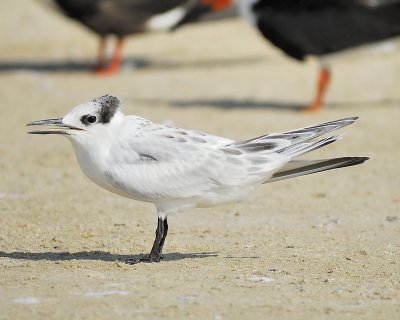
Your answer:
<point x="324" y="246"/>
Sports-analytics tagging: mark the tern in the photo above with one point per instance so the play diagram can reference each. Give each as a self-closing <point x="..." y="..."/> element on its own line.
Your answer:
<point x="176" y="168"/>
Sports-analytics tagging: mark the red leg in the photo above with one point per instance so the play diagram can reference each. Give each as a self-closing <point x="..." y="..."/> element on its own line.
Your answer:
<point x="101" y="55"/>
<point x="115" y="62"/>
<point x="324" y="77"/>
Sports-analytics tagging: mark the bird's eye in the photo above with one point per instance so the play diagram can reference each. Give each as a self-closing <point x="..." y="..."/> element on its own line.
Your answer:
<point x="91" y="119"/>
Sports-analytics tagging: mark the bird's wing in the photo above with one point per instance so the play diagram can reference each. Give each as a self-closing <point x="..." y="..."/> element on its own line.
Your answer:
<point x="376" y="3"/>
<point x="117" y="16"/>
<point x="169" y="163"/>
<point x="274" y="151"/>
<point x="152" y="7"/>
<point x="315" y="27"/>
<point x="294" y="137"/>
<point x="176" y="163"/>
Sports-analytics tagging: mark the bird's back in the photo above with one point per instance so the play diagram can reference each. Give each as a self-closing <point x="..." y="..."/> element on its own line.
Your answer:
<point x="120" y="17"/>
<point x="317" y="27"/>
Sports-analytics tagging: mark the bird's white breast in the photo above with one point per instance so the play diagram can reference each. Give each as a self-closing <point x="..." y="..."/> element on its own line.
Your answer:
<point x="93" y="162"/>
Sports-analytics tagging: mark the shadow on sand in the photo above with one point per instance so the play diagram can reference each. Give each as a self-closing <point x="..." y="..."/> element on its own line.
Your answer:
<point x="239" y="104"/>
<point x="136" y="63"/>
<point x="97" y="255"/>
<point x="225" y="104"/>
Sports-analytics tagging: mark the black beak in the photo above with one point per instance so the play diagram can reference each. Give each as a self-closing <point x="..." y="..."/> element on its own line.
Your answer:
<point x="58" y="123"/>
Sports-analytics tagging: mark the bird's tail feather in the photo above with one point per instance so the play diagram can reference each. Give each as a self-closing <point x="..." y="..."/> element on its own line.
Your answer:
<point x="297" y="168"/>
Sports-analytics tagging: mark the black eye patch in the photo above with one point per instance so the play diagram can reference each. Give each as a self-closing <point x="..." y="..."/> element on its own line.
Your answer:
<point x="109" y="106"/>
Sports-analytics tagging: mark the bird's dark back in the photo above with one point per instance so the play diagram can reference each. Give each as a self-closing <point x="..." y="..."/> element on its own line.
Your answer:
<point x="120" y="17"/>
<point x="317" y="27"/>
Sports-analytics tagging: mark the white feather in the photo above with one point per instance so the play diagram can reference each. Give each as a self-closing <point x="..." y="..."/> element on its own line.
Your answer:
<point x="178" y="168"/>
<point x="166" y="20"/>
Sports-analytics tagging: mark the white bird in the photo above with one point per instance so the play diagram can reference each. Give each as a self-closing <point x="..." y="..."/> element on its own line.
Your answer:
<point x="178" y="168"/>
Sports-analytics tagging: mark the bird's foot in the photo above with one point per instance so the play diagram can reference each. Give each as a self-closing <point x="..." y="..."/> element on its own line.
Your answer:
<point x="109" y="71"/>
<point x="148" y="259"/>
<point x="98" y="68"/>
<point x="312" y="108"/>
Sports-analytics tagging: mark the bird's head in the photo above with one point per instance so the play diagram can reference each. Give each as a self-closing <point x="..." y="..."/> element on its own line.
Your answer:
<point x="95" y="117"/>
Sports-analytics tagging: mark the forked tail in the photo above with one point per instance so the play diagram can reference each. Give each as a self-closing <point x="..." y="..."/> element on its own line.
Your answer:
<point x="297" y="168"/>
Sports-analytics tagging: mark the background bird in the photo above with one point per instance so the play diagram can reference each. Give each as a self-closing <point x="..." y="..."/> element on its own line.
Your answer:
<point x="121" y="18"/>
<point x="176" y="168"/>
<point x="322" y="27"/>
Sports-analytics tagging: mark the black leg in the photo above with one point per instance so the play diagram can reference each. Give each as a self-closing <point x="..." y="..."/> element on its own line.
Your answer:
<point x="164" y="235"/>
<point x="156" y="250"/>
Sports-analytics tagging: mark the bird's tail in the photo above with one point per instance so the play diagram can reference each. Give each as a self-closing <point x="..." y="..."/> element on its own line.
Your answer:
<point x="297" y="168"/>
<point x="205" y="10"/>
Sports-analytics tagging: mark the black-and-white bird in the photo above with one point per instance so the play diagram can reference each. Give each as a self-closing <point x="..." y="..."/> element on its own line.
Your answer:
<point x="176" y="168"/>
<point x="322" y="27"/>
<point x="126" y="17"/>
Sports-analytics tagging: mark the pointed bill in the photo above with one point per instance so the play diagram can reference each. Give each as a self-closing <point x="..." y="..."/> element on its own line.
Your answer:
<point x="57" y="123"/>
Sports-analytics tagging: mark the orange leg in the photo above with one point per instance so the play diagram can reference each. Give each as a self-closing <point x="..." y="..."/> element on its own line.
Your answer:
<point x="324" y="77"/>
<point x="115" y="62"/>
<point x="101" y="55"/>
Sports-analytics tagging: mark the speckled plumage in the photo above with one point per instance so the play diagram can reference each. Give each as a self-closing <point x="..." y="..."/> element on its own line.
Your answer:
<point x="176" y="168"/>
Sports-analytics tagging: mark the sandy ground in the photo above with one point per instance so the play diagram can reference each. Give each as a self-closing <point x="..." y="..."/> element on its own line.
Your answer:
<point x="318" y="247"/>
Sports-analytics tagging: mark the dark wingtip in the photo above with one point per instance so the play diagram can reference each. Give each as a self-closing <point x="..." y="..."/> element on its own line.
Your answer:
<point x="353" y="118"/>
<point x="363" y="159"/>
<point x="353" y="161"/>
